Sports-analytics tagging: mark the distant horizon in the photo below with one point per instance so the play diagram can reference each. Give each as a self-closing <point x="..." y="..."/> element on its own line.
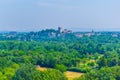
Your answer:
<point x="73" y="29"/>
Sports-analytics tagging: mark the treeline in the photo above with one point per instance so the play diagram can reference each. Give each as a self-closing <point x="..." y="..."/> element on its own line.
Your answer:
<point x="43" y="35"/>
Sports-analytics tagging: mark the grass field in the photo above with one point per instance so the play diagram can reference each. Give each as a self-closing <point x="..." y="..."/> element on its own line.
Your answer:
<point x="72" y="75"/>
<point x="69" y="74"/>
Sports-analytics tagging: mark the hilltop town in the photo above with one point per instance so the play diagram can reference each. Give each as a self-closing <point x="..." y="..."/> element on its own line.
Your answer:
<point x="52" y="34"/>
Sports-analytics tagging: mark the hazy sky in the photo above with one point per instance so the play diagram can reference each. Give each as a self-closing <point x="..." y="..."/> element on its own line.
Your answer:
<point x="34" y="15"/>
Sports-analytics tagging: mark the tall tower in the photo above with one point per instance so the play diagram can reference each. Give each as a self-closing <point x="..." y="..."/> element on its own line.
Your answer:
<point x="92" y="31"/>
<point x="59" y="29"/>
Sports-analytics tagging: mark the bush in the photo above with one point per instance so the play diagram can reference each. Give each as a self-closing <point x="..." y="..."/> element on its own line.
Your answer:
<point x="61" y="67"/>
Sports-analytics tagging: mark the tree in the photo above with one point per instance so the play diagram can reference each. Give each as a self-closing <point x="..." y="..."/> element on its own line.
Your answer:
<point x="61" y="67"/>
<point x="102" y="62"/>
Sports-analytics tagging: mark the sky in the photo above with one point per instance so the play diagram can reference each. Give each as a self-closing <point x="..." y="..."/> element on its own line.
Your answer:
<point x="77" y="15"/>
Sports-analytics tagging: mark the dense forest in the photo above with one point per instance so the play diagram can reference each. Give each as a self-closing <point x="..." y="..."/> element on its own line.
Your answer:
<point x="95" y="54"/>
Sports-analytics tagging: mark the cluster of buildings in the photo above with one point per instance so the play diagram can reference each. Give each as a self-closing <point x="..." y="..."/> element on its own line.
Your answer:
<point x="65" y="31"/>
<point x="92" y="33"/>
<point x="9" y="34"/>
<point x="60" y="32"/>
<point x="80" y="35"/>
